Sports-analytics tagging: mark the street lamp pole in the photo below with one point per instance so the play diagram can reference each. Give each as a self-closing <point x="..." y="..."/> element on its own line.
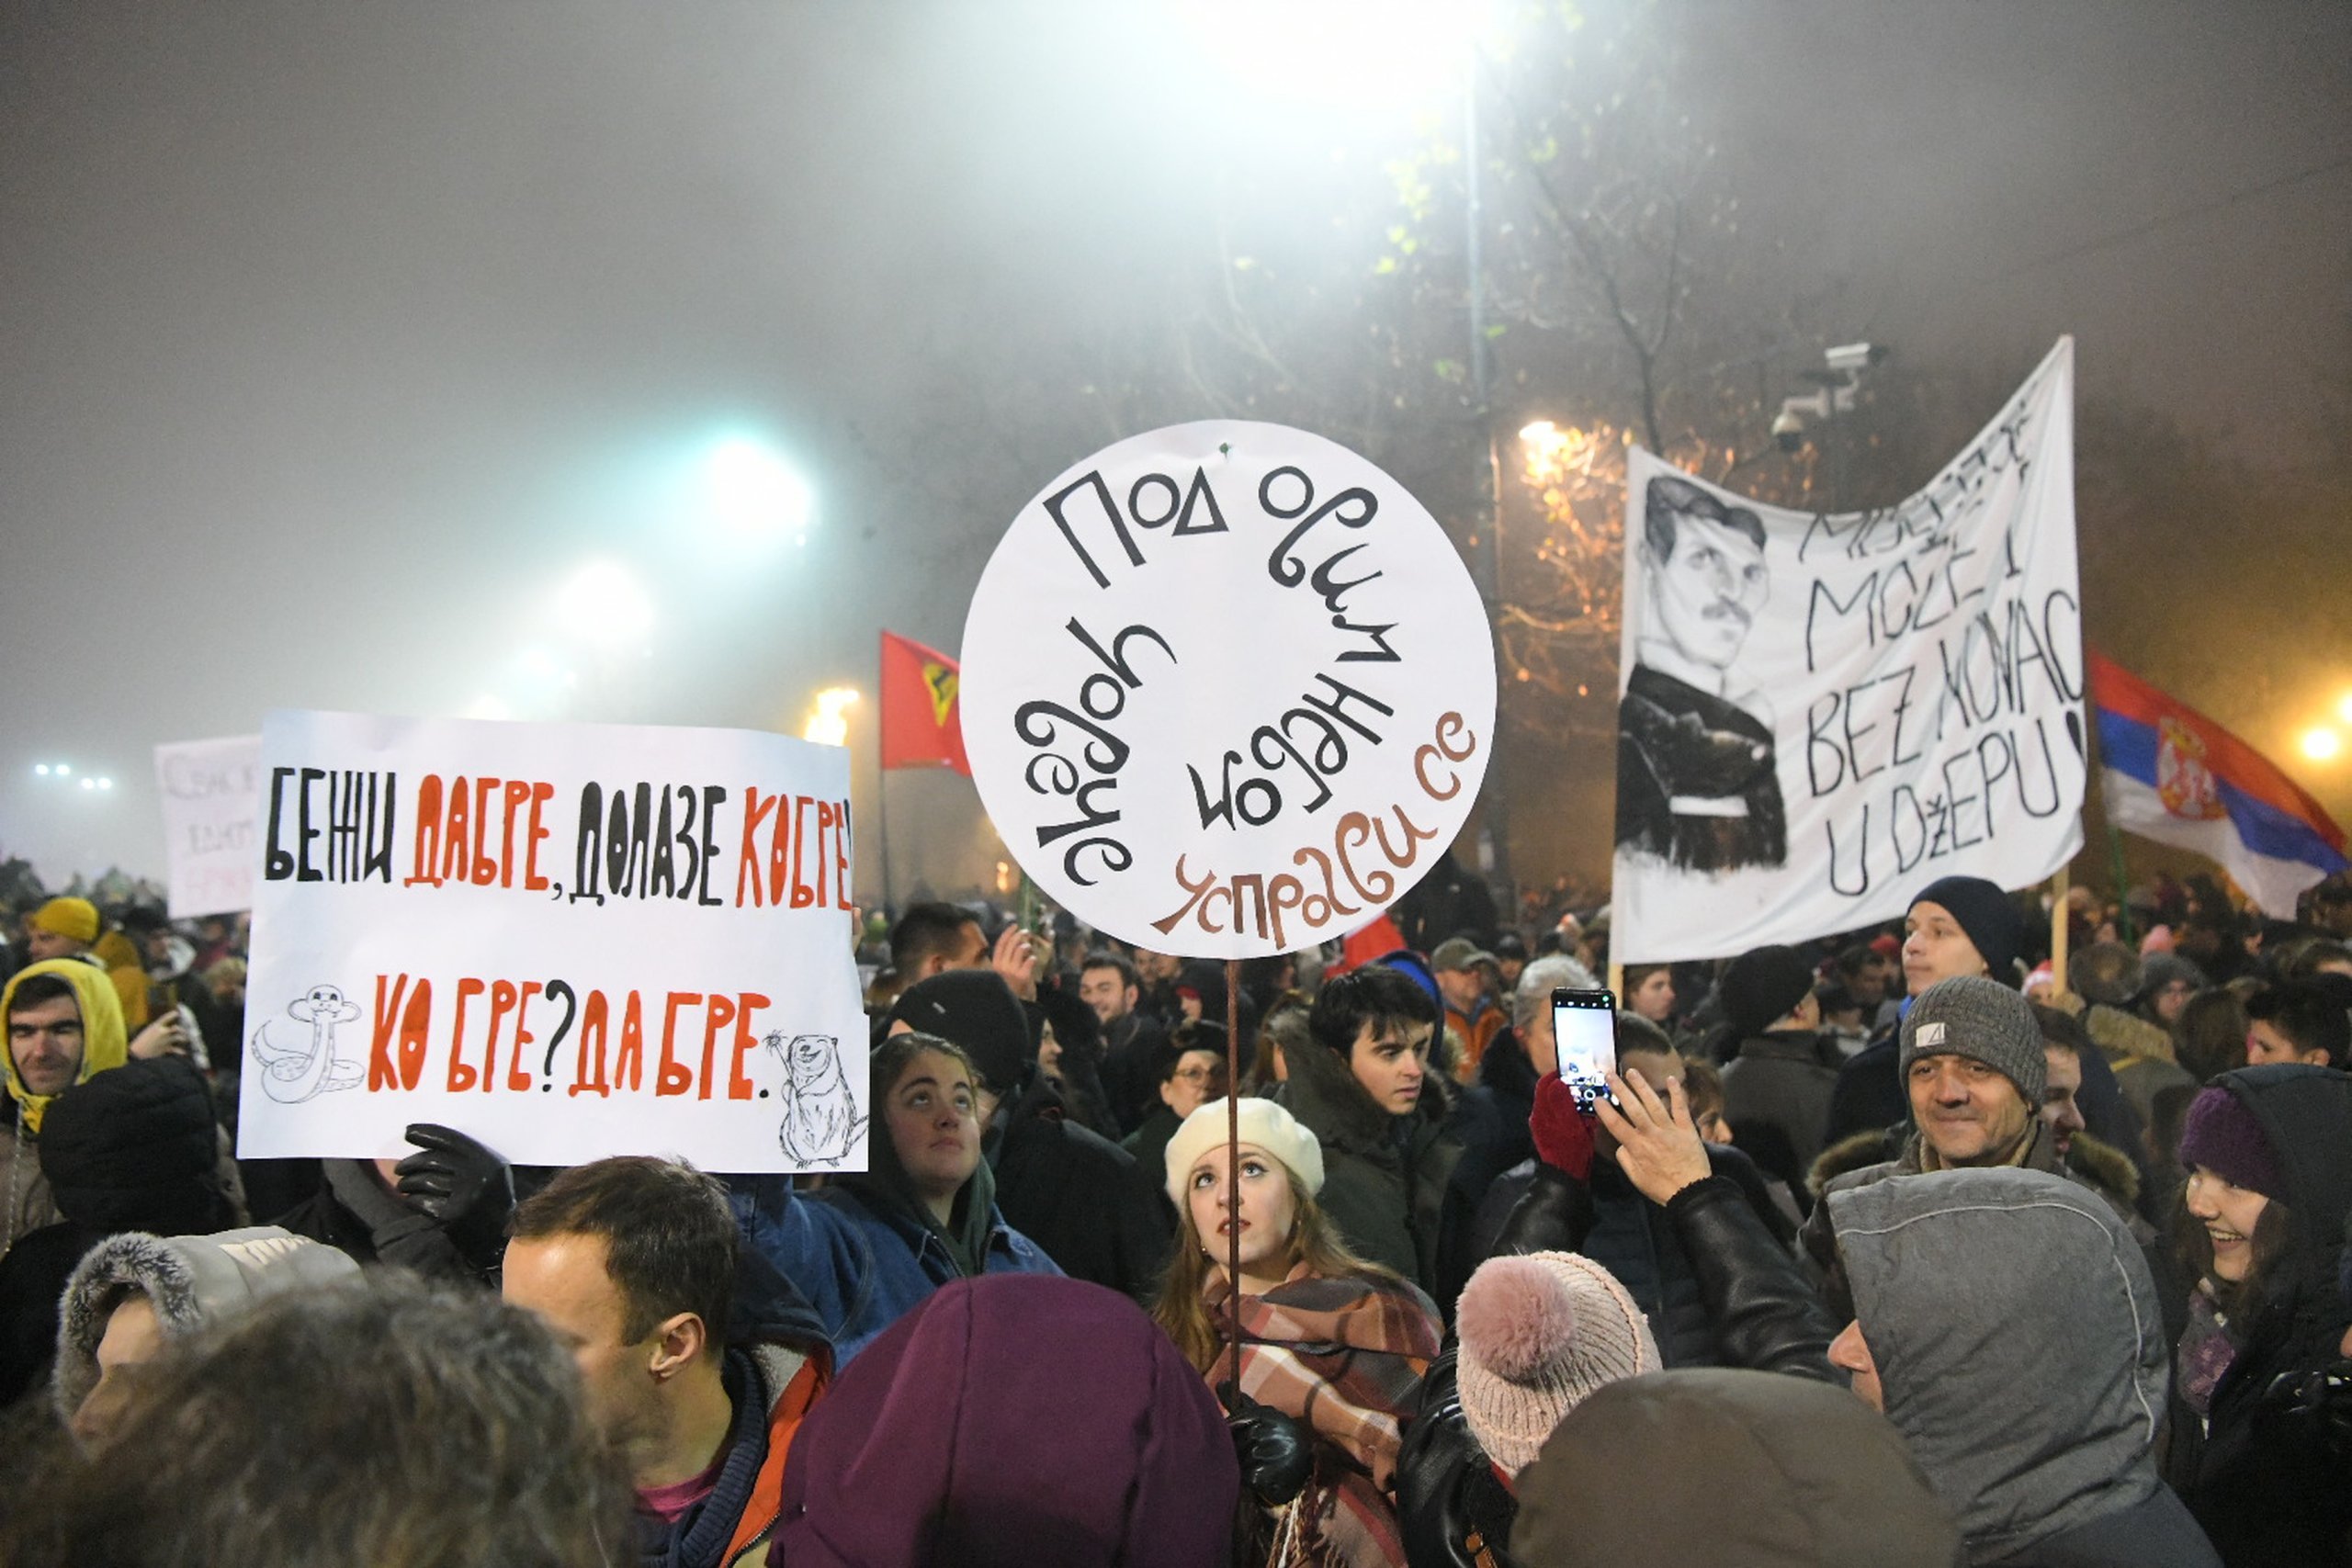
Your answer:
<point x="1497" y="814"/>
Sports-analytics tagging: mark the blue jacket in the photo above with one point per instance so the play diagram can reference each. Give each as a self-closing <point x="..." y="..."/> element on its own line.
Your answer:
<point x="859" y="1266"/>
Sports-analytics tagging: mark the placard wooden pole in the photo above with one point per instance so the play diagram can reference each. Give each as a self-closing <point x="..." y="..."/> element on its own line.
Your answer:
<point x="2061" y="926"/>
<point x="1617" y="981"/>
<point x="1233" y="1164"/>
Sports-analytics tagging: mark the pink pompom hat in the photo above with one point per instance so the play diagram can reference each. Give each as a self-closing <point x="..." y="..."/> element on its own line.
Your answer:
<point x="1536" y="1332"/>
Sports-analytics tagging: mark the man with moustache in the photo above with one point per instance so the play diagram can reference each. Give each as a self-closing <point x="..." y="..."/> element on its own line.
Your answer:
<point x="1695" y="780"/>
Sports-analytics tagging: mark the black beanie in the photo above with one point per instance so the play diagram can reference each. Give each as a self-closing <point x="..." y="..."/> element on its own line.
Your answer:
<point x="1989" y="916"/>
<point x="974" y="1009"/>
<point x="1761" y="985"/>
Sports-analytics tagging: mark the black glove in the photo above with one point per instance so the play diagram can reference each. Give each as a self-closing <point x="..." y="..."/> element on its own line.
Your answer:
<point x="1275" y="1451"/>
<point x="462" y="1187"/>
<point x="2318" y="1401"/>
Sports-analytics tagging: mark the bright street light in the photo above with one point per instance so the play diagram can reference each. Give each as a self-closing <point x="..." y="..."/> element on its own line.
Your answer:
<point x="2321" y="745"/>
<point x="829" y="720"/>
<point x="606" y="607"/>
<point x="2344" y="708"/>
<point x="1362" y="55"/>
<point x="755" y="492"/>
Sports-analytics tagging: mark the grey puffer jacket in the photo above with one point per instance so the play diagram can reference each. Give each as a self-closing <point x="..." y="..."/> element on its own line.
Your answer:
<point x="2021" y="1354"/>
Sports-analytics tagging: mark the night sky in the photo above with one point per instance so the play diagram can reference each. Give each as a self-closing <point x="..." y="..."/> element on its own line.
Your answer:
<point x="338" y="340"/>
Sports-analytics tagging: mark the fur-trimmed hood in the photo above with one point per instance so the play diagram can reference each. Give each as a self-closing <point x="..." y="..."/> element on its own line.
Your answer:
<point x="2101" y="1166"/>
<point x="191" y="1281"/>
<point x="2122" y="1036"/>
<point x="2106" y="1168"/>
<point x="1856" y="1152"/>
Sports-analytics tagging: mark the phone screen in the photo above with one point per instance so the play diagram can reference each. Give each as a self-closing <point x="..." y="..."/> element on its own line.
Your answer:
<point x="1584" y="1030"/>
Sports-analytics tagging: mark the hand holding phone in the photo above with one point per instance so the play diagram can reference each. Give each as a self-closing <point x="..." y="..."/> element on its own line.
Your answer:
<point x="1584" y="1040"/>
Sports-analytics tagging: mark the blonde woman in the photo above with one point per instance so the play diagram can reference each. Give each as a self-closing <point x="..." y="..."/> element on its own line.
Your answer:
<point x="1329" y="1339"/>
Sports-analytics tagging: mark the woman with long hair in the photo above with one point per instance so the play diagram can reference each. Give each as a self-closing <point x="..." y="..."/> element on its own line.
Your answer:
<point x="1334" y="1342"/>
<point x="2251" y="1448"/>
<point x="868" y="1246"/>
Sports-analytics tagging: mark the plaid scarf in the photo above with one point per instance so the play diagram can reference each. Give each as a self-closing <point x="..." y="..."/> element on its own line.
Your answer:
<point x="1345" y="1357"/>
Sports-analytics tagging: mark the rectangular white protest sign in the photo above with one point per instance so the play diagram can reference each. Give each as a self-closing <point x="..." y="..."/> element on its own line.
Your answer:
<point x="1818" y="713"/>
<point x="568" y="941"/>
<point x="211" y="797"/>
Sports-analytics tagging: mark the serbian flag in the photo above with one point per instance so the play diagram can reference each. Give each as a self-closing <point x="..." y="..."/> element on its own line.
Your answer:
<point x="923" y="725"/>
<point x="2176" y="777"/>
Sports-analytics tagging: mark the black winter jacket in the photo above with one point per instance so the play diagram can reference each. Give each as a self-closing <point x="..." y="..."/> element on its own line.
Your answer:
<point x="1639" y="1242"/>
<point x="2261" y="1478"/>
<point x="1082" y="1198"/>
<point x="1388" y="1180"/>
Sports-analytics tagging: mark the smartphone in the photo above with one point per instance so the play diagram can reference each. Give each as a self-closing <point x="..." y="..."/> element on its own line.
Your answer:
<point x="1584" y="1031"/>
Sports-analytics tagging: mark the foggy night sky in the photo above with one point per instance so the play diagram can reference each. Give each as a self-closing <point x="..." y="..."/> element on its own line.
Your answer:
<point x="333" y="338"/>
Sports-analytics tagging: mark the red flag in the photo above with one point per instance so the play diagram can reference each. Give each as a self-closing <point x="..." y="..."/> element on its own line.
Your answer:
<point x="923" y="721"/>
<point x="1374" y="942"/>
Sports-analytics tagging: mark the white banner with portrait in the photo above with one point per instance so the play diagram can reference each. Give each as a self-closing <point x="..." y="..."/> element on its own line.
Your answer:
<point x="1820" y="713"/>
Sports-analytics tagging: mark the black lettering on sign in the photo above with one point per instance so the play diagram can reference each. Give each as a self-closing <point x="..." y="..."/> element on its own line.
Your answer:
<point x="1086" y="507"/>
<point x="1087" y="763"/>
<point x="356" y="812"/>
<point x="1306" y="737"/>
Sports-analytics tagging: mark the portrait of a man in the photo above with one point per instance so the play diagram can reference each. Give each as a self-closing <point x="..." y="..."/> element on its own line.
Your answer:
<point x="1695" y="781"/>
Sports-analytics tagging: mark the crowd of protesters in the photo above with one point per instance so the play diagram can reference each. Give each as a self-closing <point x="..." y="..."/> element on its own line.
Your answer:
<point x="1905" y="1247"/>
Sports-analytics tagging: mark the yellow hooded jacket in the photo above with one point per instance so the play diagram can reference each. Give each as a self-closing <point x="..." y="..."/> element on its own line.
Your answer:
<point x="104" y="1041"/>
<point x="104" y="1044"/>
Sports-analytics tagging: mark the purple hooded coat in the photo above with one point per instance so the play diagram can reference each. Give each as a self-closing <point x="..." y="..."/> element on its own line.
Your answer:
<point x="1012" y="1420"/>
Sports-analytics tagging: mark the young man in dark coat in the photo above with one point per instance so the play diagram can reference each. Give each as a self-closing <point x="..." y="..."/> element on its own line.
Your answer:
<point x="1387" y="1162"/>
<point x="1078" y="1195"/>
<point x="133" y="1149"/>
<point x="1132" y="1039"/>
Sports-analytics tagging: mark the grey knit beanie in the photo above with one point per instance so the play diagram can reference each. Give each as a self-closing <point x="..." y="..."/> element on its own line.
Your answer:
<point x="1979" y="1017"/>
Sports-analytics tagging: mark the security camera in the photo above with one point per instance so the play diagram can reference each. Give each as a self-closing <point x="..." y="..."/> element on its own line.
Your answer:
<point x="1854" y="357"/>
<point x="1788" y="428"/>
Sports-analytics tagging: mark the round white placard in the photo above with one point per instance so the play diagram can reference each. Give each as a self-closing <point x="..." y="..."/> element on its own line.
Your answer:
<point x="1227" y="689"/>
